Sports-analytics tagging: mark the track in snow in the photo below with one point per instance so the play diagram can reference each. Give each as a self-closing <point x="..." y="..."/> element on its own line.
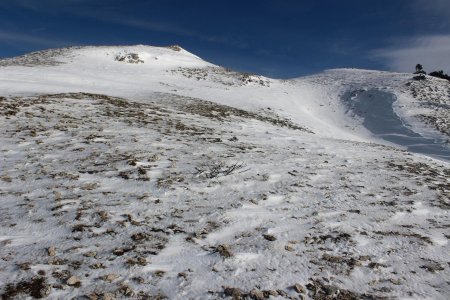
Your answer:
<point x="375" y="107"/>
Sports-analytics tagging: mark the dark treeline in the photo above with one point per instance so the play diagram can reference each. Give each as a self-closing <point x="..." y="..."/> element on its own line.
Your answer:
<point x="438" y="74"/>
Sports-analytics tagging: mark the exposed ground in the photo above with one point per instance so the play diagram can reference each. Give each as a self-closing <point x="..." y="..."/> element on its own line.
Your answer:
<point x="433" y="97"/>
<point x="178" y="198"/>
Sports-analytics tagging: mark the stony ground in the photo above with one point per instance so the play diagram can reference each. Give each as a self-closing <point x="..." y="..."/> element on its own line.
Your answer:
<point x="178" y="198"/>
<point x="433" y="97"/>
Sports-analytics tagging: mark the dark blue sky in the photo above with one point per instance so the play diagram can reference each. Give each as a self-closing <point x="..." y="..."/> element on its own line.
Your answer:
<point x="277" y="38"/>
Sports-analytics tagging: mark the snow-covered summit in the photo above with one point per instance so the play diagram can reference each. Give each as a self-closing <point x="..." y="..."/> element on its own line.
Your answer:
<point x="149" y="57"/>
<point x="174" y="55"/>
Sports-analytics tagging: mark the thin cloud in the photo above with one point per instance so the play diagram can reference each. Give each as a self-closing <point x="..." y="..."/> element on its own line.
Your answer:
<point x="150" y="25"/>
<point x="433" y="52"/>
<point x="89" y="9"/>
<point x="435" y="7"/>
<point x="166" y="27"/>
<point x="8" y="37"/>
<point x="42" y="5"/>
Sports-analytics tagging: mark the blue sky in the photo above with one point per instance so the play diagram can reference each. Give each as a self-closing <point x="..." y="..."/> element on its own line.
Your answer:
<point x="277" y="38"/>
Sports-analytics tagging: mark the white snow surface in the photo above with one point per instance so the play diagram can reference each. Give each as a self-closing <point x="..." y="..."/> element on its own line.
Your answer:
<point x="128" y="179"/>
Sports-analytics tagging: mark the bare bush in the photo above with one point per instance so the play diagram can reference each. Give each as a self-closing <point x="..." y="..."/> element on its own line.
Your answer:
<point x="215" y="169"/>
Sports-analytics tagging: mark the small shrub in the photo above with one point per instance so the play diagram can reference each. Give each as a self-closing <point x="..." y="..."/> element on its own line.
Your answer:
<point x="440" y="74"/>
<point x="419" y="69"/>
<point x="216" y="169"/>
<point x="419" y="77"/>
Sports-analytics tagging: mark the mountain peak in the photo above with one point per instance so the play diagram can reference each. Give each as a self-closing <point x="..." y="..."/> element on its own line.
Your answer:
<point x="168" y="55"/>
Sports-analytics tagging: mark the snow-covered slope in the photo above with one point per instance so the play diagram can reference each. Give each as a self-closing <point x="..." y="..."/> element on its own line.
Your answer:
<point x="311" y="101"/>
<point x="96" y="70"/>
<point x="146" y="172"/>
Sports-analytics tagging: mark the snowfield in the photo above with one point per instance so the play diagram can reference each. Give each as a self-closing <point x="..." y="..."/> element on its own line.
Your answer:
<point x="147" y="173"/>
